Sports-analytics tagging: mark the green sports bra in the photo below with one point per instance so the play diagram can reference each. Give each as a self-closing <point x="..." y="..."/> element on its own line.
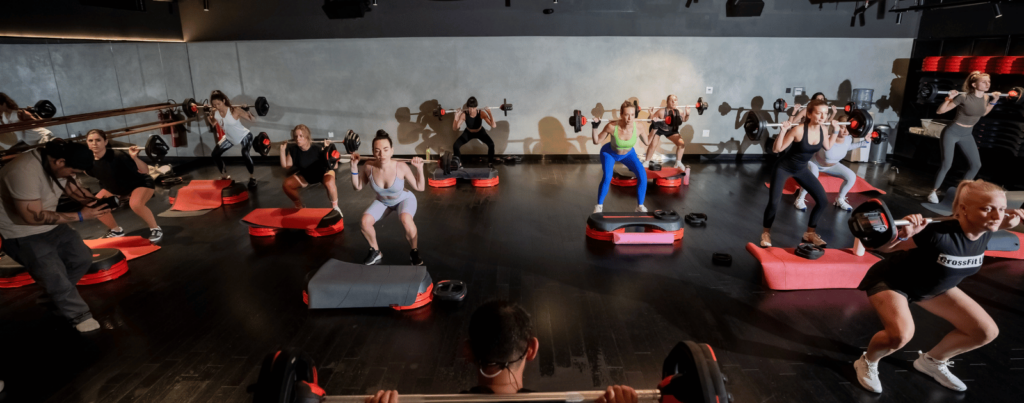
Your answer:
<point x="624" y="145"/>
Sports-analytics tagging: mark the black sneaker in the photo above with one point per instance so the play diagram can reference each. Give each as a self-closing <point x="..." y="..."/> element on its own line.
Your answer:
<point x="252" y="183"/>
<point x="373" y="257"/>
<point x="155" y="235"/>
<point x="414" y="256"/>
<point x="115" y="234"/>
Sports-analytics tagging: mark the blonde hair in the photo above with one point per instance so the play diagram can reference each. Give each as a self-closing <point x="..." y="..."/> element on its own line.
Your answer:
<point x="622" y="109"/>
<point x="973" y="78"/>
<point x="309" y="136"/>
<point x="973" y="186"/>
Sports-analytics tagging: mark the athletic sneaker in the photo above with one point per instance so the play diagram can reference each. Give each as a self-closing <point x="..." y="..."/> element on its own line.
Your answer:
<point x="932" y="197"/>
<point x="252" y="183"/>
<point x="800" y="204"/>
<point x="813" y="237"/>
<point x="641" y="209"/>
<point x="938" y="370"/>
<point x="155" y="235"/>
<point x="88" y="326"/>
<point x="115" y="233"/>
<point x="867" y="374"/>
<point x="658" y="157"/>
<point x="338" y="209"/>
<point x="843" y="203"/>
<point x="679" y="166"/>
<point x="598" y="208"/>
<point x="414" y="256"/>
<point x="766" y="240"/>
<point x="374" y="257"/>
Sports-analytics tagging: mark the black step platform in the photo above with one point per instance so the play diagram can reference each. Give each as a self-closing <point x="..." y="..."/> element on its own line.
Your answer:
<point x="609" y="222"/>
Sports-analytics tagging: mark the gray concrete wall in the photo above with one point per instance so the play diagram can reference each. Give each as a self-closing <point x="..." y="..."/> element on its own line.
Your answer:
<point x="394" y="83"/>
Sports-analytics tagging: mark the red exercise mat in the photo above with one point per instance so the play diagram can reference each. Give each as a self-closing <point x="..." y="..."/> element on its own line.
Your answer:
<point x="831" y="184"/>
<point x="200" y="195"/>
<point x="838" y="268"/>
<point x="131" y="246"/>
<point x="1017" y="254"/>
<point x="306" y="218"/>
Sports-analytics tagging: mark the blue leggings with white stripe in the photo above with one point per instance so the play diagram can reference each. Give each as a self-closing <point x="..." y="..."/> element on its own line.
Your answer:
<point x="631" y="161"/>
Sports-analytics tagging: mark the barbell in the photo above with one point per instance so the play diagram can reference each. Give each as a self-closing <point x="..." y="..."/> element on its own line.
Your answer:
<point x="781" y="105"/>
<point x="44" y="109"/>
<point x="156" y="148"/>
<point x="191" y="108"/>
<point x="439" y="112"/>
<point x="873" y="225"/>
<point x="700" y="106"/>
<point x="577" y="120"/>
<point x="330" y="155"/>
<point x="690" y="374"/>
<point x="930" y="92"/>
<point x="756" y="124"/>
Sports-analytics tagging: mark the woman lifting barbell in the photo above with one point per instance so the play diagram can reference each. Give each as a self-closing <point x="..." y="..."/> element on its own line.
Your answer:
<point x="829" y="162"/>
<point x="391" y="194"/>
<point x="793" y="163"/>
<point x="801" y="112"/>
<point x="620" y="149"/>
<point x="670" y="131"/>
<point x="306" y="166"/>
<point x="228" y="120"/>
<point x="474" y="118"/>
<point x="123" y="175"/>
<point x="934" y="259"/>
<point x="970" y="106"/>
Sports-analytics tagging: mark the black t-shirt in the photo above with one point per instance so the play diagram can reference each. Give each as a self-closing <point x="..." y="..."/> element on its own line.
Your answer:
<point x="117" y="173"/>
<point x="943" y="257"/>
<point x="306" y="161"/>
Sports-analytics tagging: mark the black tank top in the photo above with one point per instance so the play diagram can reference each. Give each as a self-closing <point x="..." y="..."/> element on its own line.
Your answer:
<point x="800" y="153"/>
<point x="474" y="123"/>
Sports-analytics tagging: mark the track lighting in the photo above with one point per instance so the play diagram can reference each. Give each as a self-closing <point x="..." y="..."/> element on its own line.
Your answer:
<point x="206" y="5"/>
<point x="899" y="18"/>
<point x="996" y="11"/>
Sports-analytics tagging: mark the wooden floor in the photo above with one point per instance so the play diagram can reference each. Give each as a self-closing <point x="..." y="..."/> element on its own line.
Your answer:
<point x="191" y="322"/>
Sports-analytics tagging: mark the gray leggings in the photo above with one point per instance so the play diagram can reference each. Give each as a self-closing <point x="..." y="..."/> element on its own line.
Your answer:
<point x="838" y="170"/>
<point x="952" y="136"/>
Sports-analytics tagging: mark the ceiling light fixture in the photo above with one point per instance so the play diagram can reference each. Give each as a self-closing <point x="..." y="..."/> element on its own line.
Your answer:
<point x="899" y="18"/>
<point x="206" y="5"/>
<point x="995" y="9"/>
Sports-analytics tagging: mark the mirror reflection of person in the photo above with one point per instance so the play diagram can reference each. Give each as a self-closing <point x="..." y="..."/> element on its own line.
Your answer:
<point x="10" y="113"/>
<point x="302" y="158"/>
<point x="474" y="118"/>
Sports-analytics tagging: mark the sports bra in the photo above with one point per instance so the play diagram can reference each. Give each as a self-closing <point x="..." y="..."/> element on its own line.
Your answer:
<point x="624" y="145"/>
<point x="473" y="123"/>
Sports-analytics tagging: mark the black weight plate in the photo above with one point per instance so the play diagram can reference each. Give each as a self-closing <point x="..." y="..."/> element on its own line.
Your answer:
<point x="809" y="251"/>
<point x="262" y="106"/>
<point x="696" y="219"/>
<point x="261" y="144"/>
<point x="190" y="108"/>
<point x="45" y="109"/>
<point x="721" y="259"/>
<point x="156" y="148"/>
<point x="450" y="290"/>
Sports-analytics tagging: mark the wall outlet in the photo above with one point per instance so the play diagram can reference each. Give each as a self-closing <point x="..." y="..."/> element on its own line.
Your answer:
<point x="798" y="91"/>
<point x="707" y="133"/>
<point x="709" y="90"/>
<point x="330" y="134"/>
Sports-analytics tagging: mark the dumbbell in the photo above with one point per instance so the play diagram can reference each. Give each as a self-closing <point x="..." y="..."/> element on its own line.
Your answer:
<point x="781" y="105"/>
<point x="191" y="108"/>
<point x="930" y="92"/>
<point x="440" y="112"/>
<point x="756" y="124"/>
<point x="44" y="109"/>
<point x="577" y="120"/>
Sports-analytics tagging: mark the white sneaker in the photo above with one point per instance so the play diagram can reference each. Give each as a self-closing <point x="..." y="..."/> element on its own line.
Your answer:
<point x="115" y="233"/>
<point x="938" y="370"/>
<point x="844" y="204"/>
<point x="679" y="166"/>
<point x="658" y="157"/>
<point x="867" y="374"/>
<point x="641" y="209"/>
<point x="598" y="208"/>
<point x="88" y="326"/>
<point x="933" y="198"/>
<point x="800" y="204"/>
<point x="338" y="209"/>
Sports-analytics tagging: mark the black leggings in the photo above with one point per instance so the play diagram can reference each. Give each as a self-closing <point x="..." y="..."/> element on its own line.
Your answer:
<point x="806" y="180"/>
<point x="225" y="145"/>
<point x="480" y="135"/>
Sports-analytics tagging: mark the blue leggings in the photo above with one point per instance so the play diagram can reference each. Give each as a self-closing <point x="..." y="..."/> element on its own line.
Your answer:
<point x="631" y="161"/>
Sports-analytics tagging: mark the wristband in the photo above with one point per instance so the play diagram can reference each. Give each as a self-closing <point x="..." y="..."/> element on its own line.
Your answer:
<point x="902" y="239"/>
<point x="355" y="173"/>
<point x="991" y="103"/>
<point x="80" y="219"/>
<point x="595" y="124"/>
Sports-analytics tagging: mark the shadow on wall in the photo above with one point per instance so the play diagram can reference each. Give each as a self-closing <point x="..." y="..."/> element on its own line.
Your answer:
<point x="732" y="146"/>
<point x="896" y="88"/>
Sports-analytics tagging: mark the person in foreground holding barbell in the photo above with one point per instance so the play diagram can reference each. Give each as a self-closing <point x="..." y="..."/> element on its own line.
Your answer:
<point x="474" y="118"/>
<point x="501" y="341"/>
<point x="670" y="131"/>
<point x="970" y="106"/>
<point x="829" y="162"/>
<point x="229" y="120"/>
<point x="620" y="149"/>
<point x="793" y="163"/>
<point x="123" y="175"/>
<point x="391" y="194"/>
<point x="306" y="166"/>
<point x="933" y="261"/>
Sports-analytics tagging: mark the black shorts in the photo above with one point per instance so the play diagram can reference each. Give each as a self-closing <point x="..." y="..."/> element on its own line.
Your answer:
<point x="882" y="286"/>
<point x="125" y="191"/>
<point x="312" y="174"/>
<point x="669" y="133"/>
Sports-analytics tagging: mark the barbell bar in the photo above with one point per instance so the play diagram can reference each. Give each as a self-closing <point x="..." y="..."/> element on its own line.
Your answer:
<point x="156" y="148"/>
<point x="756" y="124"/>
<point x="439" y="112"/>
<point x="930" y="91"/>
<point x="191" y="107"/>
<point x="873" y="225"/>
<point x="43" y="109"/>
<point x="781" y="105"/>
<point x="577" y="120"/>
<point x="6" y="154"/>
<point x="700" y="106"/>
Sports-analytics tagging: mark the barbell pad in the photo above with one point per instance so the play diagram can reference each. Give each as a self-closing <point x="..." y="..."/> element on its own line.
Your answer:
<point x="262" y="106"/>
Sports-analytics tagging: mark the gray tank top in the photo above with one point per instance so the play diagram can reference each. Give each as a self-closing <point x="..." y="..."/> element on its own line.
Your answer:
<point x="969" y="109"/>
<point x="392" y="192"/>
